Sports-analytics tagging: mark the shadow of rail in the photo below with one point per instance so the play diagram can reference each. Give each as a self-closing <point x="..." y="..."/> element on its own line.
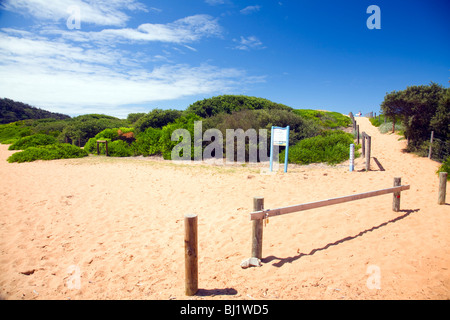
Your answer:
<point x="282" y="261"/>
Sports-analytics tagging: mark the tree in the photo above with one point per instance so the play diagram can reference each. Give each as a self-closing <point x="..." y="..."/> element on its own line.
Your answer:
<point x="157" y="118"/>
<point x="393" y="106"/>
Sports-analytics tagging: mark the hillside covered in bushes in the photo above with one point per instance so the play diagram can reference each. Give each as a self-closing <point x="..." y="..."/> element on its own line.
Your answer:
<point x="11" y="111"/>
<point x="145" y="134"/>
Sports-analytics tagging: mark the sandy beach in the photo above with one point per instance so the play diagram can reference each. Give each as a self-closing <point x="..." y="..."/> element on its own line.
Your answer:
<point x="112" y="228"/>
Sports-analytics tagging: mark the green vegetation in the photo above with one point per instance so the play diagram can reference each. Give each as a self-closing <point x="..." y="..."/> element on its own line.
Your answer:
<point x="422" y="109"/>
<point x="12" y="111"/>
<point x="445" y="167"/>
<point x="33" y="141"/>
<point x="147" y="142"/>
<point x="326" y="119"/>
<point x="49" y="152"/>
<point x="331" y="147"/>
<point x="10" y="133"/>
<point x="229" y="103"/>
<point x="151" y="133"/>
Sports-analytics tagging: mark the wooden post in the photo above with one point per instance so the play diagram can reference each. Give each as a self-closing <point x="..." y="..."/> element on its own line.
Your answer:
<point x="442" y="187"/>
<point x="363" y="144"/>
<point x="357" y="133"/>
<point x="396" y="196"/>
<point x="431" y="142"/>
<point x="257" y="229"/>
<point x="106" y="146"/>
<point x="191" y="254"/>
<point x="368" y="138"/>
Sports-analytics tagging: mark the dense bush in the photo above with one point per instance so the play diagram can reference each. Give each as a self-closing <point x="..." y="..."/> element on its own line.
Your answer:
<point x="165" y="142"/>
<point x="119" y="148"/>
<point x="33" y="141"/>
<point x="445" y="167"/>
<point x="422" y="109"/>
<point x="133" y="117"/>
<point x="111" y="134"/>
<point x="49" y="152"/>
<point x="147" y="143"/>
<point x="300" y="128"/>
<point x="325" y="119"/>
<point x="10" y="133"/>
<point x="80" y="129"/>
<point x="331" y="147"/>
<point x="230" y="103"/>
<point x="11" y="111"/>
<point x="157" y="118"/>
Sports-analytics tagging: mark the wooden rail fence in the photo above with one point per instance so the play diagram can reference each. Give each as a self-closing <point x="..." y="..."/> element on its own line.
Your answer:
<point x="257" y="217"/>
<point x="366" y="143"/>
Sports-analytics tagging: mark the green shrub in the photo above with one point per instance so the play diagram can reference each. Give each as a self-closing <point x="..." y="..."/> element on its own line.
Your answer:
<point x="445" y="167"/>
<point x="157" y="118"/>
<point x="147" y="143"/>
<point x="166" y="143"/>
<point x="48" y="152"/>
<point x="331" y="147"/>
<point x="230" y="103"/>
<point x="10" y="133"/>
<point x="326" y="119"/>
<point x="119" y="148"/>
<point x="33" y="141"/>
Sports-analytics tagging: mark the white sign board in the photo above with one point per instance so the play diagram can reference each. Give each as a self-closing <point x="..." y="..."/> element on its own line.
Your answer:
<point x="280" y="136"/>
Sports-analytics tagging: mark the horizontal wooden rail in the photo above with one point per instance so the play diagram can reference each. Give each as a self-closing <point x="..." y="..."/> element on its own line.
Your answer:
<point x="258" y="215"/>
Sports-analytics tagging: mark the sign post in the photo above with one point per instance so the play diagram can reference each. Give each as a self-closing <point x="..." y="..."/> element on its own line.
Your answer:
<point x="279" y="137"/>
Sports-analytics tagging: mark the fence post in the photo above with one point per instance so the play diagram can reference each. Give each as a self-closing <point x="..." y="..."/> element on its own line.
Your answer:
<point x="442" y="187"/>
<point x="396" y="197"/>
<point x="363" y="144"/>
<point x="257" y="229"/>
<point x="357" y="132"/>
<point x="431" y="143"/>
<point x="368" y="152"/>
<point x="190" y="254"/>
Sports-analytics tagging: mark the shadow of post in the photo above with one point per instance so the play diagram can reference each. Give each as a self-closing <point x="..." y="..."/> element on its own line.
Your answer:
<point x="282" y="261"/>
<point x="216" y="292"/>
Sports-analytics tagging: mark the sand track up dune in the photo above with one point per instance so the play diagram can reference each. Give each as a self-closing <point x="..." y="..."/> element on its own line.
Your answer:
<point x="104" y="228"/>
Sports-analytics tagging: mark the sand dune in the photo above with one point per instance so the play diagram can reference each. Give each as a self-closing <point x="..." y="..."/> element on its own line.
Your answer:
<point x="110" y="228"/>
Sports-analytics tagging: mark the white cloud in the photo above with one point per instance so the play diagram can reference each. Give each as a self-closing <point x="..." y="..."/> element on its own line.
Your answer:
<point x="62" y="76"/>
<point x="250" y="9"/>
<point x="248" y="43"/>
<point x="184" y="30"/>
<point x="98" y="12"/>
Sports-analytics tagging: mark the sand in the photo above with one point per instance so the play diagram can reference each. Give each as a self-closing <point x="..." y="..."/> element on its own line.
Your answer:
<point x="111" y="228"/>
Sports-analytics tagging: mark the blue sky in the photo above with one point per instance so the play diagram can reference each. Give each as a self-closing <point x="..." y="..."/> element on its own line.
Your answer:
<point x="123" y="56"/>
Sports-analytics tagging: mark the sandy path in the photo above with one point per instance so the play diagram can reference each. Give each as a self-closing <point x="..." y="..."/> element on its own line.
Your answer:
<point x="106" y="228"/>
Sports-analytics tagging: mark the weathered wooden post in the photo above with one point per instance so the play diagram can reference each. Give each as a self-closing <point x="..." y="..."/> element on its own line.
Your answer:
<point x="190" y="254"/>
<point x="363" y="144"/>
<point x="257" y="229"/>
<point x="431" y="143"/>
<point x="442" y="187"/>
<point x="396" y="197"/>
<point x="357" y="133"/>
<point x="368" y="138"/>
